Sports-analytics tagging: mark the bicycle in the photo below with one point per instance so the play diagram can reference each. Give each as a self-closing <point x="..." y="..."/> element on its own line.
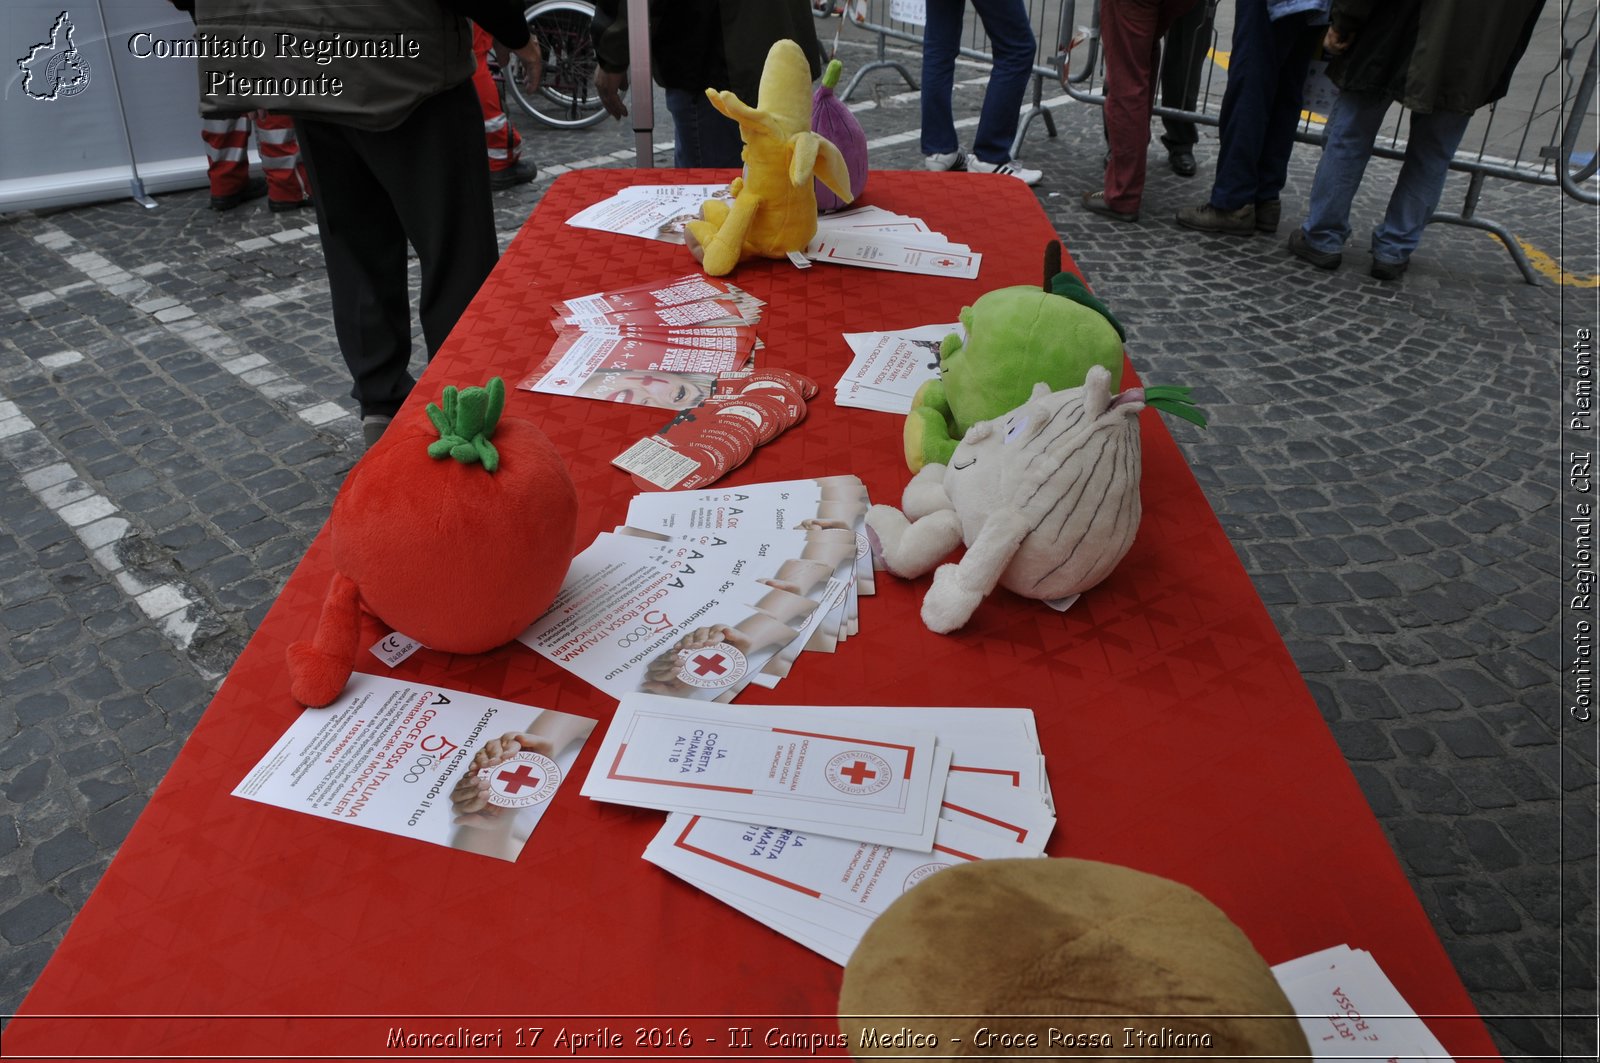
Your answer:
<point x="566" y="98"/>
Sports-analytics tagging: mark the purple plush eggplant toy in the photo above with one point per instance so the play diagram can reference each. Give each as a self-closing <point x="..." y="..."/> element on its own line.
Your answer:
<point x="832" y="119"/>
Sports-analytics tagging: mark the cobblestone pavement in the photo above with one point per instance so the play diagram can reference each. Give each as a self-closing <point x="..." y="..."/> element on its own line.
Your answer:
<point x="1388" y="459"/>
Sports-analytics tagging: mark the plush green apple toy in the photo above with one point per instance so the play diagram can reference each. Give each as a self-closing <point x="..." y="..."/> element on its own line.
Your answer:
<point x="1015" y="338"/>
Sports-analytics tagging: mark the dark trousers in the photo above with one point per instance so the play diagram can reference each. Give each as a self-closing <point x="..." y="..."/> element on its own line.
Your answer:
<point x="1183" y="64"/>
<point x="1266" y="81"/>
<point x="1130" y="33"/>
<point x="425" y="182"/>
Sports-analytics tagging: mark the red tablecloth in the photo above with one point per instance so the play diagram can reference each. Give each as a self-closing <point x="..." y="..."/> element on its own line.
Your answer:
<point x="1180" y="738"/>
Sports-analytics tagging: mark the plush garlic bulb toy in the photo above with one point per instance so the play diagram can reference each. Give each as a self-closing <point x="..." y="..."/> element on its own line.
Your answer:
<point x="1046" y="500"/>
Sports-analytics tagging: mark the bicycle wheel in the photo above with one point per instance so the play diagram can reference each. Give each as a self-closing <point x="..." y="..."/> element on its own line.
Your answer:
<point x="566" y="98"/>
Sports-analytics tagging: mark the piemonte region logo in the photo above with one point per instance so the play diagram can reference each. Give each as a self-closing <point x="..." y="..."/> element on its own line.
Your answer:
<point x="55" y="69"/>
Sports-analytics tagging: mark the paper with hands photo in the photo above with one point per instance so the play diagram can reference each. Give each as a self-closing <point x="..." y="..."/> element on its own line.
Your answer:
<point x="672" y="291"/>
<point x="823" y="502"/>
<point x="641" y="370"/>
<point x="857" y="780"/>
<point x="655" y="212"/>
<point x="405" y="758"/>
<point x="792" y="559"/>
<point x="1348" y="1007"/>
<point x="635" y="614"/>
<point x="774" y="560"/>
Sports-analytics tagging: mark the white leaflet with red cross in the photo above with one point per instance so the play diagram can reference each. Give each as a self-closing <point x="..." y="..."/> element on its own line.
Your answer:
<point x="773" y="765"/>
<point x="819" y="890"/>
<point x="925" y="253"/>
<point x="636" y="614"/>
<point x="422" y="761"/>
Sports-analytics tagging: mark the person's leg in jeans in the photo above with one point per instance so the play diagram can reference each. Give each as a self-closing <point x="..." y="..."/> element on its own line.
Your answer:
<point x="941" y="40"/>
<point x="1012" y="44"/>
<point x="1352" y="128"/>
<point x="702" y="135"/>
<point x="1297" y="41"/>
<point x="1242" y="129"/>
<point x="1431" y="143"/>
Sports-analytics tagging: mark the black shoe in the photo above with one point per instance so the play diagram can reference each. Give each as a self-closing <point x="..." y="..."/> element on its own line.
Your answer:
<point x="279" y="206"/>
<point x="1306" y="253"/>
<point x="1268" y="214"/>
<point x="255" y="188"/>
<point x="1182" y="162"/>
<point x="1389" y="271"/>
<point x="518" y="173"/>
<point x="1095" y="203"/>
<point x="372" y="428"/>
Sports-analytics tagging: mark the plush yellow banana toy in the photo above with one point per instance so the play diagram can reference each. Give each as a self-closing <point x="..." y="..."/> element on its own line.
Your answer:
<point x="774" y="204"/>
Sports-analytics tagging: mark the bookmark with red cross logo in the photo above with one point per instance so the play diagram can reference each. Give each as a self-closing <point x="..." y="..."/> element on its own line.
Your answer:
<point x="773" y="765"/>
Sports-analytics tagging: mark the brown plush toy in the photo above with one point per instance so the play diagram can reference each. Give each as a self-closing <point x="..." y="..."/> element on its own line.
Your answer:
<point x="1007" y="958"/>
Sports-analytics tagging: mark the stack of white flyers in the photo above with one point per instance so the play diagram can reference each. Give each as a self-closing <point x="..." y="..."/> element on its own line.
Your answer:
<point x="880" y="239"/>
<point x="889" y="367"/>
<point x="705" y="592"/>
<point x="788" y="767"/>
<point x="823" y="504"/>
<point x="658" y="344"/>
<point x="444" y="766"/>
<point x="817" y="881"/>
<point x="1348" y="1008"/>
<point x="655" y="212"/>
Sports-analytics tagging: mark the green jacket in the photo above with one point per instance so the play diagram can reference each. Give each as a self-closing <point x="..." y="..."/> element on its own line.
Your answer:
<point x="708" y="44"/>
<point x="1433" y="55"/>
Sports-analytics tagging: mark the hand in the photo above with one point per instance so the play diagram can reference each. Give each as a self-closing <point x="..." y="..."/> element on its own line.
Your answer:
<point x="470" y="798"/>
<point x="610" y="86"/>
<point x="532" y="57"/>
<point x="1336" y="43"/>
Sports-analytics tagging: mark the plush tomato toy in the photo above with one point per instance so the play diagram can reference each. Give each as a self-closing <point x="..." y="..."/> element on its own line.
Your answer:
<point x="456" y="531"/>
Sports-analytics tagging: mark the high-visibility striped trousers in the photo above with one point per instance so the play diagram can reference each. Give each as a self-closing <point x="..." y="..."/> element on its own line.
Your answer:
<point x="228" y="164"/>
<point x="504" y="144"/>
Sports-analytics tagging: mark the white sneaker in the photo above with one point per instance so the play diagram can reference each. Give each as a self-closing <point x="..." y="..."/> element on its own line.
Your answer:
<point x="1021" y="173"/>
<point x="949" y="160"/>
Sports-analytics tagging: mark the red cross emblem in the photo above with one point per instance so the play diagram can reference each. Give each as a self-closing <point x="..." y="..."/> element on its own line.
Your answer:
<point x="947" y="263"/>
<point x="714" y="664"/>
<point x="515" y="780"/>
<point x="858" y="773"/>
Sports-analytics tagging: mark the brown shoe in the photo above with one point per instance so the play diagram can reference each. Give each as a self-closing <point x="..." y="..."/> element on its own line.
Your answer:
<point x="1205" y="218"/>
<point x="1095" y="203"/>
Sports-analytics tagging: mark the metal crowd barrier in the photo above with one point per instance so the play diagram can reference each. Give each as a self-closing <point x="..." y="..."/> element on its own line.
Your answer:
<point x="1547" y="152"/>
